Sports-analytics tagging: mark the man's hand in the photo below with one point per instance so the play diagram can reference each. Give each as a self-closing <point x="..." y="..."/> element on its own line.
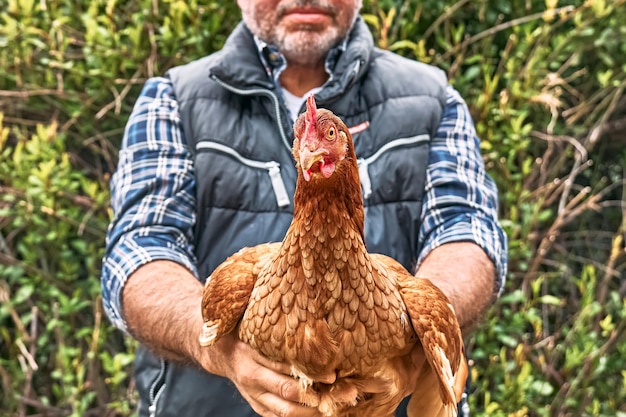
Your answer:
<point x="267" y="386"/>
<point x="162" y="307"/>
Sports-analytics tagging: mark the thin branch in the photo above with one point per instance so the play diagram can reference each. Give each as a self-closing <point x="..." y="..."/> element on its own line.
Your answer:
<point x="398" y="21"/>
<point x="81" y="226"/>
<point x="503" y="26"/>
<point x="562" y="138"/>
<point x="10" y="260"/>
<point x="48" y="410"/>
<point x="152" y="59"/>
<point x="599" y="129"/>
<point x="5" y="298"/>
<point x="25" y="94"/>
<point x="4" y="246"/>
<point x="566" y="214"/>
<point x="608" y="270"/>
<point x="615" y="337"/>
<point x="618" y="249"/>
<point x="445" y="15"/>
<point x="22" y="122"/>
<point x="6" y="381"/>
<point x="27" y="355"/>
<point x="548" y="369"/>
<point x="117" y="102"/>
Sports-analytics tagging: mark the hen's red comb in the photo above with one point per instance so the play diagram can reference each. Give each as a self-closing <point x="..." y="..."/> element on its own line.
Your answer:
<point x="311" y="110"/>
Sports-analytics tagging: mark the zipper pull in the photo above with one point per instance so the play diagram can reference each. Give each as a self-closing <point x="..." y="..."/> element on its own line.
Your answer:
<point x="282" y="198"/>
<point x="364" y="174"/>
<point x="153" y="407"/>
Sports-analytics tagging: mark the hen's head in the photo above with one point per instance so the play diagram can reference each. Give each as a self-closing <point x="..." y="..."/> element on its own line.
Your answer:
<point x="321" y="141"/>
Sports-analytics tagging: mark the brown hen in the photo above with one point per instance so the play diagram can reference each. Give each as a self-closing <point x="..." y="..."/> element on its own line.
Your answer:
<point x="321" y="303"/>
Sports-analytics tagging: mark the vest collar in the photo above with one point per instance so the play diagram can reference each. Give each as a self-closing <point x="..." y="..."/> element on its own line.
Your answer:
<point x="352" y="64"/>
<point x="238" y="62"/>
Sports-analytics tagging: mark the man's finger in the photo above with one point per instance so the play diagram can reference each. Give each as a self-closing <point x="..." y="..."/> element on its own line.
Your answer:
<point x="279" y="367"/>
<point x="286" y="369"/>
<point x="283" y="386"/>
<point x="280" y="407"/>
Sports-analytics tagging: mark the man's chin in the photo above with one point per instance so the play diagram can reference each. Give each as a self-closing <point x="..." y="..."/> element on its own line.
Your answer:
<point x="306" y="46"/>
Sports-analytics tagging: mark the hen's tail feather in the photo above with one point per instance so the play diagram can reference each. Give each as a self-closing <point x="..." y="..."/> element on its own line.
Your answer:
<point x="210" y="333"/>
<point x="436" y="325"/>
<point x="461" y="378"/>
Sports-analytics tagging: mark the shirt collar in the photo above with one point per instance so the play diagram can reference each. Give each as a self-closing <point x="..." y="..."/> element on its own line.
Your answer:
<point x="275" y="62"/>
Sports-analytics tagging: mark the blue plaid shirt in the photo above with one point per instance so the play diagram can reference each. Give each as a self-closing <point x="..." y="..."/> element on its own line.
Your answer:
<point x="153" y="192"/>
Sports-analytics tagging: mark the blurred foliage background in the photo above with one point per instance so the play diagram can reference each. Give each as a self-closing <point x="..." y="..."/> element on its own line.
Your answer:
<point x="544" y="80"/>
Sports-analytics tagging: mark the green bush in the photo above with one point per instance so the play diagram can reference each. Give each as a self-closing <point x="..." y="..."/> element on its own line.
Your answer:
<point x="544" y="81"/>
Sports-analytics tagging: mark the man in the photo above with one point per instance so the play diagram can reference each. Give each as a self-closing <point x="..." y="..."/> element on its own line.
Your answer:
<point x="206" y="168"/>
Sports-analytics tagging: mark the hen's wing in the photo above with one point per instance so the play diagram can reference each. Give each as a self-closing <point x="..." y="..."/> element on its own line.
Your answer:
<point x="441" y="381"/>
<point x="227" y="291"/>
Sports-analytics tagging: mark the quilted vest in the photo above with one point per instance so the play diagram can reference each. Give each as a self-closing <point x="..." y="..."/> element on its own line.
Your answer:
<point x="236" y="123"/>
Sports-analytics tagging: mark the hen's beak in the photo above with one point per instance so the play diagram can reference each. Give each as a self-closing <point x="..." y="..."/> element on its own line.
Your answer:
<point x="309" y="158"/>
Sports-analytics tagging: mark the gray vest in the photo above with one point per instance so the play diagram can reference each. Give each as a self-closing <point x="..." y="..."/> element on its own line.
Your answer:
<point x="236" y="123"/>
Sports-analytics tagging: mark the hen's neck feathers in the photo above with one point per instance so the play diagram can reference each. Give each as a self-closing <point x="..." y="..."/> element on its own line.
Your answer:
<point x="329" y="200"/>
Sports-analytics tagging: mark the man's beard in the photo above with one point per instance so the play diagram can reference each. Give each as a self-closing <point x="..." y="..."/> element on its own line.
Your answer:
<point x="307" y="47"/>
<point x="307" y="44"/>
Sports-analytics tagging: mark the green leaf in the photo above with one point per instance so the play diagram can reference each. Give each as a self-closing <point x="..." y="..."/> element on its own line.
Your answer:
<point x="516" y="296"/>
<point x="507" y="340"/>
<point x="550" y="300"/>
<point x="23" y="293"/>
<point x="542" y="388"/>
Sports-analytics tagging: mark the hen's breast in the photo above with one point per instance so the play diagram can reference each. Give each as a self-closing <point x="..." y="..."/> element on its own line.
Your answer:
<point x="326" y="310"/>
<point x="372" y="322"/>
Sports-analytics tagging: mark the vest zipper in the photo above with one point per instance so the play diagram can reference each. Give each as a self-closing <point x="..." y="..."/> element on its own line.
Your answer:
<point x="264" y="92"/>
<point x="364" y="163"/>
<point x="272" y="167"/>
<point x="157" y="388"/>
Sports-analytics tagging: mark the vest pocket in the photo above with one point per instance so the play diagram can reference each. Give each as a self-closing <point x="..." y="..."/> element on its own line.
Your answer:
<point x="272" y="168"/>
<point x="364" y="163"/>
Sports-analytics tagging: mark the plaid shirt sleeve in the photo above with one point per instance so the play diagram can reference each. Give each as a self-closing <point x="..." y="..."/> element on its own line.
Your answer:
<point x="152" y="195"/>
<point x="460" y="201"/>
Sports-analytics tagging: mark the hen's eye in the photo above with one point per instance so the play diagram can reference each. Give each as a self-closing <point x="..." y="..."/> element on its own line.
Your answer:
<point x="331" y="133"/>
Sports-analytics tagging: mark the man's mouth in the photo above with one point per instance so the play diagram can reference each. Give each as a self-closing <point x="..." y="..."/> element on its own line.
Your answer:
<point x="307" y="15"/>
